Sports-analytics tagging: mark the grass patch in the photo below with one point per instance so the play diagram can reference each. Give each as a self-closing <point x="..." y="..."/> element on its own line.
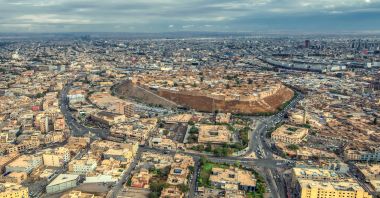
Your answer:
<point x="205" y="172"/>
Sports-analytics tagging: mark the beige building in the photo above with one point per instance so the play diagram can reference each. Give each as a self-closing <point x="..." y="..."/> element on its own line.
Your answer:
<point x="57" y="157"/>
<point x="12" y="190"/>
<point x="371" y="174"/>
<point x="180" y="169"/>
<point x="79" y="194"/>
<point x="180" y="118"/>
<point x="108" y="118"/>
<point x="223" y="117"/>
<point x="25" y="163"/>
<point x="327" y="189"/>
<point x="289" y="134"/>
<point x="172" y="192"/>
<point x="112" y="104"/>
<point x="59" y="124"/>
<point x="315" y="174"/>
<point x="5" y="160"/>
<point x="215" y="134"/>
<point x="233" y="179"/>
<point x="362" y="155"/>
<point x="14" y="177"/>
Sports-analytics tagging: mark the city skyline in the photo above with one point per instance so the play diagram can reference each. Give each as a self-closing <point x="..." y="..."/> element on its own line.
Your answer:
<point x="157" y="16"/>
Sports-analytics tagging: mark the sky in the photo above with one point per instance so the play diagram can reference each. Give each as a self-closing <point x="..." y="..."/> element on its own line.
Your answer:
<point x="190" y="15"/>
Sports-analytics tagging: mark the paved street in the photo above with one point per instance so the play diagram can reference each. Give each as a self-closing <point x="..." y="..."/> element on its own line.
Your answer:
<point x="257" y="144"/>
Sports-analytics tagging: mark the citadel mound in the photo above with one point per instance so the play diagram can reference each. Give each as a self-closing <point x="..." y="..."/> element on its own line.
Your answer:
<point x="208" y="91"/>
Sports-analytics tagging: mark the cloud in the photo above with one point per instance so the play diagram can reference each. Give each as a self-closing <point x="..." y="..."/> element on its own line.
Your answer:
<point x="159" y="15"/>
<point x="52" y="19"/>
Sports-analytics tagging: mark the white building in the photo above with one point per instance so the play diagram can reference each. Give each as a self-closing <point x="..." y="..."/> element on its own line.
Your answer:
<point x="25" y="163"/>
<point x="62" y="182"/>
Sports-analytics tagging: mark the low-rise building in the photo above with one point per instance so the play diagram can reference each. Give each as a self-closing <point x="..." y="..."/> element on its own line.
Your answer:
<point x="57" y="157"/>
<point x="180" y="169"/>
<point x="223" y="117"/>
<point x="141" y="179"/>
<point x="329" y="189"/>
<point x="108" y="118"/>
<point x="180" y="118"/>
<point x="14" y="177"/>
<point x="62" y="182"/>
<point x="25" y="163"/>
<point x="5" y="160"/>
<point x="289" y="134"/>
<point x="79" y="194"/>
<point x="315" y="174"/>
<point x="233" y="179"/>
<point x="362" y="155"/>
<point x="13" y="190"/>
<point x="215" y="134"/>
<point x="82" y="166"/>
<point x="172" y="192"/>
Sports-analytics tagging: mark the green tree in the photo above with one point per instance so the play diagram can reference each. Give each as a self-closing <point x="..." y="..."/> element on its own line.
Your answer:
<point x="293" y="147"/>
<point x="194" y="130"/>
<point x="208" y="147"/>
<point x="184" y="188"/>
<point x="203" y="160"/>
<point x="153" y="195"/>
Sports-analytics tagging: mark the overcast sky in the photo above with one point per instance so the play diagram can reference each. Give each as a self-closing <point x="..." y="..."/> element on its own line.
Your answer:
<point x="188" y="15"/>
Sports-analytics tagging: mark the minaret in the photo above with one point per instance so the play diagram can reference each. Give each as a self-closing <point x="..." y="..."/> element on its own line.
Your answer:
<point x="304" y="115"/>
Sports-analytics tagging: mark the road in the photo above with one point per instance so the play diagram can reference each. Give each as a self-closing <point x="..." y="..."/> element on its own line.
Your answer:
<point x="77" y="129"/>
<point x="257" y="144"/>
<point x="125" y="177"/>
<point x="263" y="150"/>
<point x="193" y="182"/>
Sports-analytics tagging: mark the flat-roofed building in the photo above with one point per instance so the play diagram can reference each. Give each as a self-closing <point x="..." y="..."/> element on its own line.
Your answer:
<point x="315" y="174"/>
<point x="223" y="117"/>
<point x="82" y="166"/>
<point x="233" y="179"/>
<point x="113" y="104"/>
<point x="329" y="189"/>
<point x="172" y="192"/>
<point x="362" y="155"/>
<point x="375" y="184"/>
<point x="371" y="174"/>
<point x="289" y="134"/>
<point x="141" y="179"/>
<point x="59" y="124"/>
<point x="215" y="134"/>
<point x="57" y="157"/>
<point x="62" y="182"/>
<point x="5" y="160"/>
<point x="25" y="163"/>
<point x="79" y="194"/>
<point x="13" y="190"/>
<point x="108" y="118"/>
<point x="14" y="177"/>
<point x="180" y="118"/>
